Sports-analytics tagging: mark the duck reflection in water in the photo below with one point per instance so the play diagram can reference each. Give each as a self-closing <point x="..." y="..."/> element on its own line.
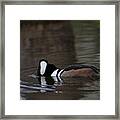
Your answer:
<point x="53" y="74"/>
<point x="49" y="83"/>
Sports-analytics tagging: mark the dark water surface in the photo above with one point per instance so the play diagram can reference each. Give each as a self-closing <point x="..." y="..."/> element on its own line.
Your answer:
<point x="61" y="43"/>
<point x="70" y="89"/>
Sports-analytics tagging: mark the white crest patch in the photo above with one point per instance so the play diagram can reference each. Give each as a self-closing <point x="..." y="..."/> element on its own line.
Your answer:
<point x="43" y="66"/>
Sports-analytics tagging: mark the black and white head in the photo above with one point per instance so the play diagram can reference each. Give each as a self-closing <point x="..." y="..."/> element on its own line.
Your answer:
<point x="43" y="65"/>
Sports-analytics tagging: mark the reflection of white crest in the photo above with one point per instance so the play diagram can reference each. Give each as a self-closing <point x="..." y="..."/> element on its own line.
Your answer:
<point x="43" y="84"/>
<point x="43" y="66"/>
<point x="43" y="81"/>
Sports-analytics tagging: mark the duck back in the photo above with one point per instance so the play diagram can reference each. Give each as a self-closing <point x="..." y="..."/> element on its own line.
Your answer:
<point x="81" y="70"/>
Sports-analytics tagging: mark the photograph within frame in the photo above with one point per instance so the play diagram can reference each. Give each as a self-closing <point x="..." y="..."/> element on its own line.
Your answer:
<point x="73" y="48"/>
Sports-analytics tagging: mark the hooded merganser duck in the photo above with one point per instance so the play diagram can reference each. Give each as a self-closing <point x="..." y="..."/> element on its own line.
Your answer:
<point x="77" y="70"/>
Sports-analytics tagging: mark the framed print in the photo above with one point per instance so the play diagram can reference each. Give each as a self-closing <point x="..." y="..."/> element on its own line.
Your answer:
<point x="60" y="59"/>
